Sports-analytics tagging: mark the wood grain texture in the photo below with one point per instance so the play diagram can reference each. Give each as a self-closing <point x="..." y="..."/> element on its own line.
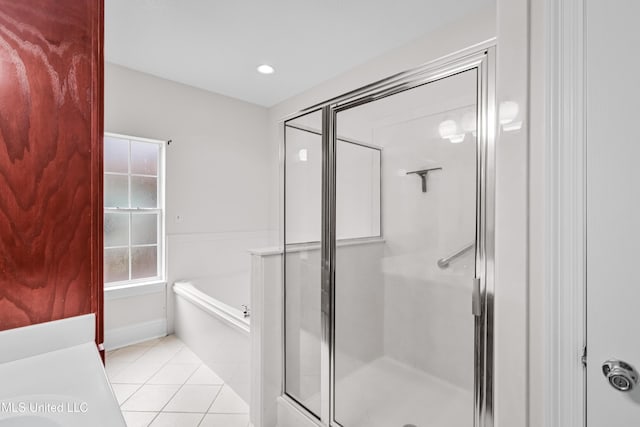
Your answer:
<point x="50" y="160"/>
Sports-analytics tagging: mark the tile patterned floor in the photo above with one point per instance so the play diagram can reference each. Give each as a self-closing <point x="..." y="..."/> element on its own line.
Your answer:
<point x="161" y="383"/>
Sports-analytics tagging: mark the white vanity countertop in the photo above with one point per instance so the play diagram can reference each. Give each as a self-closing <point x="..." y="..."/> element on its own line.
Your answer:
<point x="63" y="387"/>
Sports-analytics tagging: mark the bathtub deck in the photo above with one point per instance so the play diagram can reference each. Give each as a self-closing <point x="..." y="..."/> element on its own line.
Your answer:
<point x="163" y="383"/>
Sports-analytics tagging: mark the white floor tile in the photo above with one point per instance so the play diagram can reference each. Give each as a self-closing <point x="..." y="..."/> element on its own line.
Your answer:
<point x="138" y="372"/>
<point x="150" y="398"/>
<point x="159" y="354"/>
<point x="152" y="342"/>
<point x="185" y="356"/>
<point x="173" y="373"/>
<point x="225" y="420"/>
<point x="224" y="370"/>
<point x="205" y="376"/>
<point x="162" y="383"/>
<point x="114" y="368"/>
<point x="228" y="402"/>
<point x="243" y="390"/>
<point x="171" y="338"/>
<point x="193" y="398"/>
<point x="138" y="419"/>
<point x="170" y="343"/>
<point x="124" y="391"/>
<point x="176" y="419"/>
<point x="127" y="354"/>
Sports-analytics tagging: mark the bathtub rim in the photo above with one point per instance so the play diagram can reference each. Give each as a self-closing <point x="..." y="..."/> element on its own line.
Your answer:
<point x="224" y="312"/>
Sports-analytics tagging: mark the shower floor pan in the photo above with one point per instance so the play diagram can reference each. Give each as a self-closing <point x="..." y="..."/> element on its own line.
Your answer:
<point x="387" y="393"/>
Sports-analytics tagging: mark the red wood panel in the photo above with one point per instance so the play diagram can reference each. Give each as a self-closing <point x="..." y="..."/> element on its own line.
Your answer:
<point x="51" y="111"/>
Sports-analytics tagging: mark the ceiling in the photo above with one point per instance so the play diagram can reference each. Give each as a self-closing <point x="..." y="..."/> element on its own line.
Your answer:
<point x="216" y="45"/>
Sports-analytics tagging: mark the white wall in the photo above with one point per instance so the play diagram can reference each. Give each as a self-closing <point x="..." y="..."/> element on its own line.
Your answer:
<point x="539" y="309"/>
<point x="217" y="168"/>
<point x="511" y="322"/>
<point x="358" y="195"/>
<point x="216" y="161"/>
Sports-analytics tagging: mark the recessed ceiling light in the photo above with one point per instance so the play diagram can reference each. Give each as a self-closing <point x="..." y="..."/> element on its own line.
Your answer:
<point x="265" y="69"/>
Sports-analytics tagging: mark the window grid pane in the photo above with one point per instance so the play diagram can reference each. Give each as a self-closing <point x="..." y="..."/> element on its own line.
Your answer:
<point x="116" y="265"/>
<point x="116" y="191"/>
<point x="116" y="229"/>
<point x="144" y="192"/>
<point x="144" y="229"/>
<point x="144" y="158"/>
<point x="144" y="262"/>
<point x="132" y="246"/>
<point x="116" y="155"/>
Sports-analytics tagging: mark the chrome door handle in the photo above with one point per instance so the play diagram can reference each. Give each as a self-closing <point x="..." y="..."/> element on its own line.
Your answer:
<point x="621" y="375"/>
<point x="476" y="295"/>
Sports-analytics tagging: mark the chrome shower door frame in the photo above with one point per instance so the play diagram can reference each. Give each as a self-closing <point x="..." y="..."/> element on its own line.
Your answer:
<point x="482" y="59"/>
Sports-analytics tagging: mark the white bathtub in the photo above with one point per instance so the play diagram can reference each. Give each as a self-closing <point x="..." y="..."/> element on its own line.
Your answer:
<point x="210" y="320"/>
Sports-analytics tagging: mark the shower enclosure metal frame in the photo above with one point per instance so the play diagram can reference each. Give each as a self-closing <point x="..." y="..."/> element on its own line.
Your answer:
<point x="482" y="59"/>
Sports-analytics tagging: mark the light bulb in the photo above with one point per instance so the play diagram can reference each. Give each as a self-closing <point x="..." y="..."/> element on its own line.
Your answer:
<point x="447" y="129"/>
<point x="265" y="69"/>
<point x="302" y="155"/>
<point x="457" y="139"/>
<point x="513" y="126"/>
<point x="508" y="112"/>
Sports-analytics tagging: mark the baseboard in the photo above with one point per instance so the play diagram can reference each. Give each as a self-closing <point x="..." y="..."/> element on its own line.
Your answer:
<point x="133" y="334"/>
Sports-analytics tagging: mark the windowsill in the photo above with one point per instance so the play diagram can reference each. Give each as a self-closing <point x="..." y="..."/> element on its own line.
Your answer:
<point x="134" y="289"/>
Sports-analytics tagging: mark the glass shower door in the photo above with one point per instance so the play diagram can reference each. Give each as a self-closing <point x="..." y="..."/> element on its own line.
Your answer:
<point x="406" y="186"/>
<point x="303" y="152"/>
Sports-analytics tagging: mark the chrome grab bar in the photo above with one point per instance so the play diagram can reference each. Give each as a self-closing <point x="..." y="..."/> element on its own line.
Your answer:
<point x="444" y="262"/>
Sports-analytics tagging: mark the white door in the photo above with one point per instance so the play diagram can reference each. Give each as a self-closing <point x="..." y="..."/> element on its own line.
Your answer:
<point x="613" y="207"/>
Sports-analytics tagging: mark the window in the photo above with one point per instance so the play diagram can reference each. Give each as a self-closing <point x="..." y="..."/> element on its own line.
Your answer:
<point x="133" y="210"/>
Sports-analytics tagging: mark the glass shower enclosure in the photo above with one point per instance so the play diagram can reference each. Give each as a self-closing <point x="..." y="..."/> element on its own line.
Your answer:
<point x="387" y="251"/>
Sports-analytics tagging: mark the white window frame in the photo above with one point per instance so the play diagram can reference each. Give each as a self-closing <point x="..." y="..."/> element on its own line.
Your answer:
<point x="160" y="210"/>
